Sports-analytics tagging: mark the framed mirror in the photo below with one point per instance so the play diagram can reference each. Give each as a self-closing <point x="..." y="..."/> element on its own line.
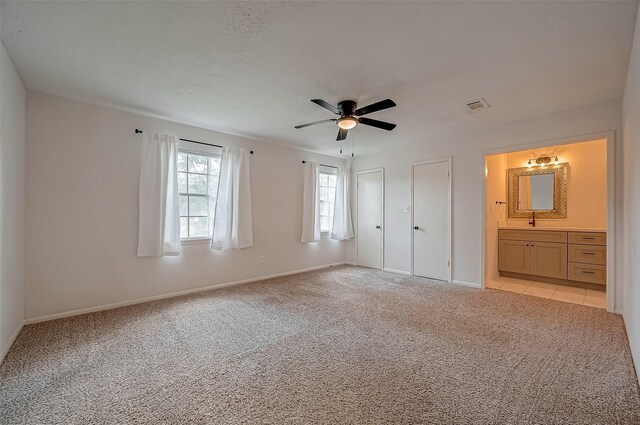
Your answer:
<point x="539" y="189"/>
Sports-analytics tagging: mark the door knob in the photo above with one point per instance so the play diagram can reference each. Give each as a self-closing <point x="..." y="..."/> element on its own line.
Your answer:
<point x="377" y="227"/>
<point x="416" y="228"/>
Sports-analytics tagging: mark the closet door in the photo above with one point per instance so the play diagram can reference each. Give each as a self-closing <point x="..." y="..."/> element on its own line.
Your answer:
<point x="369" y="228"/>
<point x="431" y="220"/>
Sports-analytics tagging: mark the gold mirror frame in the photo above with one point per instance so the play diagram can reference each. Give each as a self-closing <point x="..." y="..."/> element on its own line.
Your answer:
<point x="559" y="191"/>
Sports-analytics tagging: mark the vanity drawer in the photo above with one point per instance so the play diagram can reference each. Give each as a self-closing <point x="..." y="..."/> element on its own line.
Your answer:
<point x="588" y="238"/>
<point x="591" y="254"/>
<point x="590" y="273"/>
<point x="532" y="235"/>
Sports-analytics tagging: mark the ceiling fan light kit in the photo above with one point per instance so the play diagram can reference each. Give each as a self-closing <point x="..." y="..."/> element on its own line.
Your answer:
<point x="347" y="123"/>
<point x="351" y="115"/>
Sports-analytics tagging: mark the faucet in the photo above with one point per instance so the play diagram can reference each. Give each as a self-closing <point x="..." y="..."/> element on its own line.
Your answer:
<point x="532" y="222"/>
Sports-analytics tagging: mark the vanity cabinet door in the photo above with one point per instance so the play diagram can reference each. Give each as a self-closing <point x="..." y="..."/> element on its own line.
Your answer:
<point x="548" y="259"/>
<point x="513" y="256"/>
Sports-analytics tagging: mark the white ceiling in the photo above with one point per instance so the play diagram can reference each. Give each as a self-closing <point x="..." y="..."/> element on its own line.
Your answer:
<point x="251" y="68"/>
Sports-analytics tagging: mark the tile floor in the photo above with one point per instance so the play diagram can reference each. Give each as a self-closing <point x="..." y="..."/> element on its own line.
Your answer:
<point x="564" y="293"/>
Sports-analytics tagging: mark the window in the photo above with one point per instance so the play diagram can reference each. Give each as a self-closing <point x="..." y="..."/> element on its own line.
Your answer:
<point x="198" y="186"/>
<point x="327" y="190"/>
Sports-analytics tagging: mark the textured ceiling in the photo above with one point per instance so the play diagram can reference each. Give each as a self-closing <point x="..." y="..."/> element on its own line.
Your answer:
<point x="250" y="68"/>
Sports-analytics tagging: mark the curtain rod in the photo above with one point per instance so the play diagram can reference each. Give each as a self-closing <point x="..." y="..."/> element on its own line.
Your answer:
<point x="193" y="141"/>
<point x="323" y="165"/>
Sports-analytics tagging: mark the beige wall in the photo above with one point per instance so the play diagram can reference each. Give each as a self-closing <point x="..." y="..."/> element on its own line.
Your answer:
<point x="586" y="183"/>
<point x="631" y="206"/>
<point x="83" y="163"/>
<point x="495" y="171"/>
<point x="467" y="151"/>
<point x="12" y="202"/>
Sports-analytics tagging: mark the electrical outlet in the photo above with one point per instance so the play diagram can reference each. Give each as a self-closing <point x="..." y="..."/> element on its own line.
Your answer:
<point x="261" y="259"/>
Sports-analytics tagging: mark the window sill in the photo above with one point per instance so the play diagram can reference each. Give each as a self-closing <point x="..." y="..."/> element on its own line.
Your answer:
<point x="195" y="241"/>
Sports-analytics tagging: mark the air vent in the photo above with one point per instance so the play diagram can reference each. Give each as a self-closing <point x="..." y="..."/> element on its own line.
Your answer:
<point x="477" y="105"/>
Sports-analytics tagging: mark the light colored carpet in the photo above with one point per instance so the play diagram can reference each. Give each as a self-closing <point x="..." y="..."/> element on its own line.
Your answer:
<point x="342" y="345"/>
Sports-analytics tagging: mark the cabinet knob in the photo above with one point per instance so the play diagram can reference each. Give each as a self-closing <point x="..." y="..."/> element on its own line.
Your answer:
<point x="416" y="228"/>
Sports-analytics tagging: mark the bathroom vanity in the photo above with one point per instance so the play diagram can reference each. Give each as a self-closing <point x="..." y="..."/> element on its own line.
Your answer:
<point x="564" y="256"/>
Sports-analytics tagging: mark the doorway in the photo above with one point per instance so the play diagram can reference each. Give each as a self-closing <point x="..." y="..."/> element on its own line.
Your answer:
<point x="552" y="238"/>
<point x="431" y="219"/>
<point x="370" y="216"/>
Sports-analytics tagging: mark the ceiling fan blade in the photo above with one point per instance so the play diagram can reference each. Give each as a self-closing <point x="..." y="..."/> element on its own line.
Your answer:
<point x="342" y="134"/>
<point x="314" y="123"/>
<point x="326" y="105"/>
<point x="378" y="124"/>
<point x="374" y="107"/>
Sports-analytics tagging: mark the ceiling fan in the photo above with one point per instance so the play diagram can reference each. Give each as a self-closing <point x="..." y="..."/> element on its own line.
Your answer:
<point x="350" y="116"/>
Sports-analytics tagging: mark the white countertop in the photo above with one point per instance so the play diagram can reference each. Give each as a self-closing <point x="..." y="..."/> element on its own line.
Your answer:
<point x="557" y="229"/>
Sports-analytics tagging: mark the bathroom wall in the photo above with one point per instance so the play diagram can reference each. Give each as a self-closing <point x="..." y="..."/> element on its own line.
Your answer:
<point x="586" y="183"/>
<point x="496" y="190"/>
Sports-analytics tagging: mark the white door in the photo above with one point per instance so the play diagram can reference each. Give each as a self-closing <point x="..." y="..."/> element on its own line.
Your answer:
<point x="431" y="220"/>
<point x="369" y="232"/>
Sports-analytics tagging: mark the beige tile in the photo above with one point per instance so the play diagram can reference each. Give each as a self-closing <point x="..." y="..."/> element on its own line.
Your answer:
<point x="571" y="290"/>
<point x="494" y="284"/>
<point x="502" y="279"/>
<point x="569" y="297"/>
<point x="544" y="285"/>
<point x="595" y="302"/>
<point x="515" y="286"/>
<point x="596" y="294"/>
<point x="537" y="291"/>
<point x="499" y="281"/>
<point x="595" y="298"/>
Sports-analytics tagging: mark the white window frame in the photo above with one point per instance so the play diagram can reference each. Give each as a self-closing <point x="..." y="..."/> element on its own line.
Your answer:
<point x="329" y="171"/>
<point x="197" y="149"/>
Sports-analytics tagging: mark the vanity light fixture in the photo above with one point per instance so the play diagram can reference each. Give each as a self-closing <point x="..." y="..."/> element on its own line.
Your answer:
<point x="542" y="161"/>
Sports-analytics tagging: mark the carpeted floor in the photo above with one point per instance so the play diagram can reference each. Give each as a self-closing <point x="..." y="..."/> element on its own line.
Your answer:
<point x="342" y="345"/>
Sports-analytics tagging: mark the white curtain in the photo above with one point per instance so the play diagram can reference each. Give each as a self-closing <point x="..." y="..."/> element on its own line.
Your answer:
<point x="342" y="225"/>
<point x="159" y="221"/>
<point x="311" y="204"/>
<point x="232" y="225"/>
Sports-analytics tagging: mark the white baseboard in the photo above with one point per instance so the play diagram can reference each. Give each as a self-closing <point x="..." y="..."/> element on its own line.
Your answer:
<point x="469" y="284"/>
<point x="103" y="307"/>
<point x="397" y="271"/>
<point x="9" y="343"/>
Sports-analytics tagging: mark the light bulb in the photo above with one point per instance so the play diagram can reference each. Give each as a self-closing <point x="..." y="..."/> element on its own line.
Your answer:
<point x="347" y="123"/>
